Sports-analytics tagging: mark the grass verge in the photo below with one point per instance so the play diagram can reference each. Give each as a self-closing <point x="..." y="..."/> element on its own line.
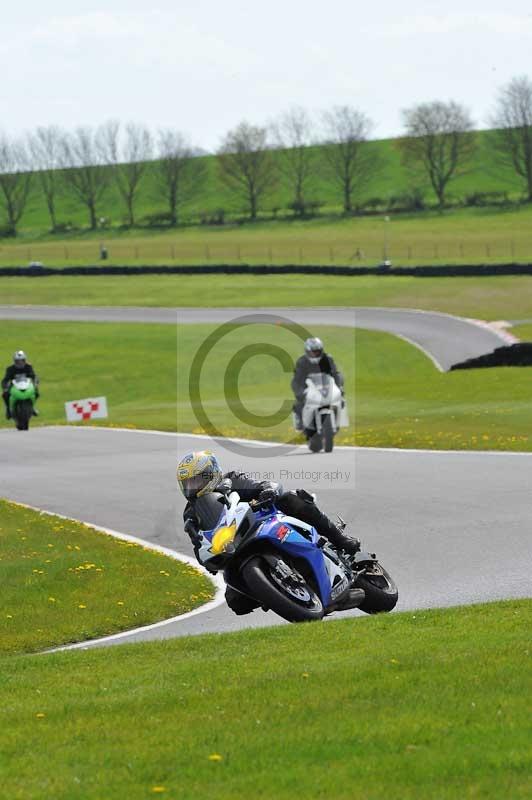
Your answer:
<point x="63" y="581"/>
<point x="395" y="396"/>
<point x="414" y="705"/>
<point x="465" y="236"/>
<point x="484" y="298"/>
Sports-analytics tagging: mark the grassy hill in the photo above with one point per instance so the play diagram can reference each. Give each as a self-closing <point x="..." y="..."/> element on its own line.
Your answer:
<point x="390" y="181"/>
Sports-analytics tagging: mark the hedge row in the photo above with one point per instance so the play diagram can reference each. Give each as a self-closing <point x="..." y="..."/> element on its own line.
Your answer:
<point x="467" y="270"/>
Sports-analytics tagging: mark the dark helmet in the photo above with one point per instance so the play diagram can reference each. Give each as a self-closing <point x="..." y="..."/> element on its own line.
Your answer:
<point x="314" y="349"/>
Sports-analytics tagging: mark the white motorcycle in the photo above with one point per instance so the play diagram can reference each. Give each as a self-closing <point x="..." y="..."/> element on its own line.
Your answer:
<point x="324" y="412"/>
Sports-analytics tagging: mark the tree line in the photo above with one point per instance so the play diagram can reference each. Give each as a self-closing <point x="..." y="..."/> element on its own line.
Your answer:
<point x="438" y="144"/>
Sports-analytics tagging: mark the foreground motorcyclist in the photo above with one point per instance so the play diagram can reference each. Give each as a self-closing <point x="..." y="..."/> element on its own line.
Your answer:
<point x="314" y="360"/>
<point x="200" y="473"/>
<point x="20" y="366"/>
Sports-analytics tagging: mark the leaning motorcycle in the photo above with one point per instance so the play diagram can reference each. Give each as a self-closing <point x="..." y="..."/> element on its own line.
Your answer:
<point x="324" y="412"/>
<point x="283" y="564"/>
<point x="22" y="396"/>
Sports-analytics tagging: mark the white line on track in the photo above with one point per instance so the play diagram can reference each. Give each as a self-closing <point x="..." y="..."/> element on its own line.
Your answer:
<point x="217" y="580"/>
<point x="420" y="347"/>
<point x="502" y="335"/>
<point x="352" y="448"/>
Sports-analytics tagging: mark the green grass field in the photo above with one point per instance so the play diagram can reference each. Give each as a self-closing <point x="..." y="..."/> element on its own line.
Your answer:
<point x="414" y="705"/>
<point x="485" y="298"/>
<point x="458" y="236"/>
<point x="63" y="582"/>
<point x="395" y="395"/>
<point x="523" y="332"/>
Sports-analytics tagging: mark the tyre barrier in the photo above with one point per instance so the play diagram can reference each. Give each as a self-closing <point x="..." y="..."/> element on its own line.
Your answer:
<point x="465" y="270"/>
<point x="513" y="355"/>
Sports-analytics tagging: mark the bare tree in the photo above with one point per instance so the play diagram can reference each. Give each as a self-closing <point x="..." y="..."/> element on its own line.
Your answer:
<point x="45" y="146"/>
<point x="179" y="173"/>
<point x="87" y="172"/>
<point x="349" y="163"/>
<point x="512" y="137"/>
<point x="246" y="164"/>
<point x="15" y="180"/>
<point x="129" y="154"/>
<point x="297" y="159"/>
<point x="439" y="143"/>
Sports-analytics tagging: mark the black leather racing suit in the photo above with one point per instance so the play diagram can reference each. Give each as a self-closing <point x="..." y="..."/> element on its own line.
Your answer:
<point x="297" y="504"/>
<point x="11" y="372"/>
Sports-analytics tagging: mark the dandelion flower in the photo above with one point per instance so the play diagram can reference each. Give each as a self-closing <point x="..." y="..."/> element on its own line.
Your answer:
<point x="215" y="757"/>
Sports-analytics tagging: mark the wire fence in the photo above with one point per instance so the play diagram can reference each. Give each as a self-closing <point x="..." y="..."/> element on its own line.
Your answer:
<point x="334" y="254"/>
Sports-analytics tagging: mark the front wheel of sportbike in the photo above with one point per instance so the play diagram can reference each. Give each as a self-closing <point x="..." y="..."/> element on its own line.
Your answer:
<point x="315" y="443"/>
<point x="380" y="588"/>
<point x="328" y="434"/>
<point x="23" y="412"/>
<point x="277" y="586"/>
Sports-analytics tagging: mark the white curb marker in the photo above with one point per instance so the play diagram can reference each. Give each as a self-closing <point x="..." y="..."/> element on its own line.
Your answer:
<point x="217" y="580"/>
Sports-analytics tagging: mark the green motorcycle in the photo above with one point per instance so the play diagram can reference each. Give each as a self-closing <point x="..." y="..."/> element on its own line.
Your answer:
<point x="22" y="395"/>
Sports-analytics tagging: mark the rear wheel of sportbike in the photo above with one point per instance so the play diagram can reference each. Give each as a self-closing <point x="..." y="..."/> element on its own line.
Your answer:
<point x="23" y="413"/>
<point x="380" y="588"/>
<point x="328" y="434"/>
<point x="279" y="587"/>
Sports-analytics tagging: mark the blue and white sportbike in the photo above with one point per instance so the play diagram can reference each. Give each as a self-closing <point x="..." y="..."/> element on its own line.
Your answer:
<point x="282" y="563"/>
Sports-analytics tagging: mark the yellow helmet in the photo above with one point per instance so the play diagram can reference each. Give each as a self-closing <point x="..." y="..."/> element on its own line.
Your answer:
<point x="198" y="473"/>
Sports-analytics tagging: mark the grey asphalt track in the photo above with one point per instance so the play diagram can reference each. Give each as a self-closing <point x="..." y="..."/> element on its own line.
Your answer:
<point x="452" y="528"/>
<point x="445" y="338"/>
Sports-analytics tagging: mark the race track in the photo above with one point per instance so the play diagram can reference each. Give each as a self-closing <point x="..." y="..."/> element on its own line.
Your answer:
<point x="451" y="527"/>
<point x="444" y="338"/>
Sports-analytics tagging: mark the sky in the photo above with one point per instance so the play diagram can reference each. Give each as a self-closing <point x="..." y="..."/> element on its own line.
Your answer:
<point x="203" y="66"/>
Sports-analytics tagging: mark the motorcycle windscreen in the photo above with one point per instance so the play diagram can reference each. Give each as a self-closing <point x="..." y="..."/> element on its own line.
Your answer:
<point x="209" y="510"/>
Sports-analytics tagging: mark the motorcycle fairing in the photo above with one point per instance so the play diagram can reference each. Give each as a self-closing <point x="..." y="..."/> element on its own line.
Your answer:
<point x="282" y="531"/>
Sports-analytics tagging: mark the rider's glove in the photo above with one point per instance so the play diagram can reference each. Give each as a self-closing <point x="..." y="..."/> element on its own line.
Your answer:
<point x="225" y="486"/>
<point x="195" y="536"/>
<point x="267" y="495"/>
